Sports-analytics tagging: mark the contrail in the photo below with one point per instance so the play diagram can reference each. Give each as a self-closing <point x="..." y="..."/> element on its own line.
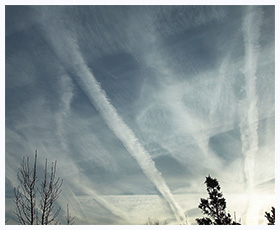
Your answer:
<point x="249" y="122"/>
<point x="103" y="202"/>
<point x="79" y="203"/>
<point x="72" y="58"/>
<point x="67" y="50"/>
<point x="110" y="115"/>
<point x="66" y="98"/>
<point x="249" y="116"/>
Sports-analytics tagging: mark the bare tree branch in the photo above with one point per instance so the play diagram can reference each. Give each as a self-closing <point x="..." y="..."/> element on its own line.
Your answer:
<point x="50" y="190"/>
<point x="25" y="194"/>
<point x="69" y="218"/>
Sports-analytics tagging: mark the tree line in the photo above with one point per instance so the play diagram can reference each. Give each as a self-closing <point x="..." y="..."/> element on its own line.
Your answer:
<point x="30" y="211"/>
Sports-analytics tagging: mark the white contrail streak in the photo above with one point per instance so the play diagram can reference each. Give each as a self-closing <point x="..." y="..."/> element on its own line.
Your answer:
<point x="68" y="52"/>
<point x="66" y="98"/>
<point x="98" y="198"/>
<point x="72" y="58"/>
<point x="249" y="120"/>
<point x="110" y="115"/>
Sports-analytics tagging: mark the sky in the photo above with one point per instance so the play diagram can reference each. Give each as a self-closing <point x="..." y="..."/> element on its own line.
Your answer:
<point x="138" y="104"/>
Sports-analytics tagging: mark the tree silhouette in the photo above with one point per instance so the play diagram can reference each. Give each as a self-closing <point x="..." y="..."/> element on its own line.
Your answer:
<point x="270" y="218"/>
<point x="49" y="191"/>
<point x="69" y="218"/>
<point x="27" y="210"/>
<point x="25" y="193"/>
<point x="214" y="206"/>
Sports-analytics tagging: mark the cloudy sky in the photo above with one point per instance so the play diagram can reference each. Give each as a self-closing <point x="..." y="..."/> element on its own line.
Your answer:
<point x="138" y="104"/>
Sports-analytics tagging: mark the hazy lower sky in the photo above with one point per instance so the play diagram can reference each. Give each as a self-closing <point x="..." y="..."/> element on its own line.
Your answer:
<point x="138" y="104"/>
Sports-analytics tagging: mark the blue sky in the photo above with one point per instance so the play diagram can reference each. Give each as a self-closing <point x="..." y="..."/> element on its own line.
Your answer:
<point x="139" y="103"/>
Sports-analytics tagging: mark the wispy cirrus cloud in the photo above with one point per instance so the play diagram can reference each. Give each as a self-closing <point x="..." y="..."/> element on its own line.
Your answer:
<point x="172" y="76"/>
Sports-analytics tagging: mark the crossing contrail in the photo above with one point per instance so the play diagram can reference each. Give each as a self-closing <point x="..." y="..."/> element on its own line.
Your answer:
<point x="68" y="52"/>
<point x="110" y="115"/>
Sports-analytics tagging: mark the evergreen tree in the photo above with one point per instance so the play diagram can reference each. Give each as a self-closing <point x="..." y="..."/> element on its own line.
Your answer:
<point x="214" y="206"/>
<point x="270" y="218"/>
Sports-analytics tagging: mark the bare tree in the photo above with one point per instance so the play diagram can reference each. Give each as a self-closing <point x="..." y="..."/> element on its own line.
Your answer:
<point x="69" y="218"/>
<point x="25" y="194"/>
<point x="49" y="191"/>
